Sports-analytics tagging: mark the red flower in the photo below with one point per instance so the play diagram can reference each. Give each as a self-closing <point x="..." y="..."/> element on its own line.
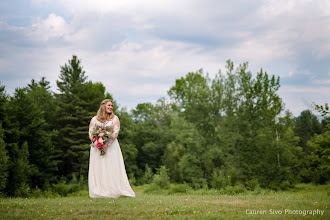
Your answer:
<point x="99" y="145"/>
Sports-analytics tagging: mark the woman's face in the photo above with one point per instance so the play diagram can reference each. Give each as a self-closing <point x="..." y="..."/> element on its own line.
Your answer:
<point x="108" y="107"/>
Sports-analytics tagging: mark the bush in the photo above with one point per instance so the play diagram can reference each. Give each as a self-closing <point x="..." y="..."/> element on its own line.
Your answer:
<point x="23" y="190"/>
<point x="233" y="190"/>
<point x="198" y="183"/>
<point x="179" y="188"/>
<point x="260" y="191"/>
<point x="161" y="179"/>
<point x="131" y="179"/>
<point x="285" y="185"/>
<point x="252" y="184"/>
<point x="150" y="188"/>
<point x="38" y="193"/>
<point x="220" y="180"/>
<point x="63" y="188"/>
<point x="148" y="175"/>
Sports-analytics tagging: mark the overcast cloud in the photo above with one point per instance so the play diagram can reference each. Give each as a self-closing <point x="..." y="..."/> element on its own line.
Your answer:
<point x="138" y="48"/>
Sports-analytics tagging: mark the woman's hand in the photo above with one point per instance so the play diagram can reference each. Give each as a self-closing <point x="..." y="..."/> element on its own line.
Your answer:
<point x="105" y="147"/>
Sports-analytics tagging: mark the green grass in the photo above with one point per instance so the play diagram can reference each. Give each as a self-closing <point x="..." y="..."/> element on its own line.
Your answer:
<point x="202" y="204"/>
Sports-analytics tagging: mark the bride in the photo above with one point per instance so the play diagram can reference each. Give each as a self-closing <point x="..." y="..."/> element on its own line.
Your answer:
<point x="107" y="176"/>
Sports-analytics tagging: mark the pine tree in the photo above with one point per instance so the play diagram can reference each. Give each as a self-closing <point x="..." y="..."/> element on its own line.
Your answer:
<point x="3" y="161"/>
<point x="22" y="172"/>
<point x="44" y="157"/>
<point x="3" y="152"/>
<point x="3" y="99"/>
<point x="305" y="126"/>
<point x="77" y="103"/>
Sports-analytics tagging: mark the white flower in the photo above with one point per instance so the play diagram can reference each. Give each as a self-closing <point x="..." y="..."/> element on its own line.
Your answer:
<point x="101" y="134"/>
<point x="101" y="140"/>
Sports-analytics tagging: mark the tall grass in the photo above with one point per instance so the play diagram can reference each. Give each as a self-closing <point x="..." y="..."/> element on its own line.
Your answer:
<point x="177" y="202"/>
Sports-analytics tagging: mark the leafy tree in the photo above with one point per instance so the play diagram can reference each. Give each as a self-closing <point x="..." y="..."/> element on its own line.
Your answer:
<point x="323" y="109"/>
<point x="127" y="144"/>
<point x="147" y="138"/>
<point x="319" y="150"/>
<point x="142" y="111"/>
<point x="182" y="140"/>
<point x="192" y="95"/>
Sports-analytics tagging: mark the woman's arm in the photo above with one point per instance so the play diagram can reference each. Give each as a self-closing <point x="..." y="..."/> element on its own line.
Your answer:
<point x="116" y="128"/>
<point x="91" y="126"/>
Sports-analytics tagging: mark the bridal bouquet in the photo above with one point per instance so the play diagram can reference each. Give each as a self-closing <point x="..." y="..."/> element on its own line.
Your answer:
<point x="101" y="136"/>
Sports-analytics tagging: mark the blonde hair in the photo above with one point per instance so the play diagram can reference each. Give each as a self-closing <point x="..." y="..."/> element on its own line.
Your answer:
<point x="101" y="115"/>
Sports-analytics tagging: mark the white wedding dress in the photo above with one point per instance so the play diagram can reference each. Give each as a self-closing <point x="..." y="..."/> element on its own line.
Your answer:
<point x="107" y="176"/>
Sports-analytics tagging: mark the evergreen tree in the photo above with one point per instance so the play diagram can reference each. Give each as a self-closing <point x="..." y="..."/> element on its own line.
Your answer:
<point x="4" y="162"/>
<point x="22" y="172"/>
<point x="26" y="122"/>
<point x="3" y="152"/>
<point x="3" y="99"/>
<point x="306" y="125"/>
<point x="43" y="155"/>
<point x="77" y="103"/>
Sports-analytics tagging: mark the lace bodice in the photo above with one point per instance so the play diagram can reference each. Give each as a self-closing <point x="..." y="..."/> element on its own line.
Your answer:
<point x="114" y="123"/>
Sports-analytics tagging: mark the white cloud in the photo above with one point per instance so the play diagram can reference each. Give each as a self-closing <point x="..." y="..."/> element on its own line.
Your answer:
<point x="139" y="48"/>
<point x="40" y="2"/>
<point x="52" y="27"/>
<point x="299" y="98"/>
<point x="146" y="69"/>
<point x="287" y="75"/>
<point x="321" y="82"/>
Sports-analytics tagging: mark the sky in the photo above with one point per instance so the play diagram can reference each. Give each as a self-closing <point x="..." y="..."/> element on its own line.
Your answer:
<point x="137" y="49"/>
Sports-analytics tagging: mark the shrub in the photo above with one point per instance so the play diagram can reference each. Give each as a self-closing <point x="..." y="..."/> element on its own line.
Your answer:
<point x="252" y="184"/>
<point x="150" y="188"/>
<point x="179" y="188"/>
<point x="285" y="185"/>
<point x="148" y="175"/>
<point x="38" y="193"/>
<point x="219" y="179"/>
<point x="23" y="190"/>
<point x="63" y="188"/>
<point x="161" y="179"/>
<point x="233" y="190"/>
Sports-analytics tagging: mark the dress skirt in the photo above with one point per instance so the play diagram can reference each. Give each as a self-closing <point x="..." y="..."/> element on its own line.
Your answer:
<point x="107" y="176"/>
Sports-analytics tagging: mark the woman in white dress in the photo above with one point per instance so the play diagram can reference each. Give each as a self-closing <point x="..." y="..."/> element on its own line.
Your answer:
<point x="107" y="176"/>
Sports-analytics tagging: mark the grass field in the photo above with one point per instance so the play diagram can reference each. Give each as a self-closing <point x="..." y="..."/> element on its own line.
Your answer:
<point x="203" y="204"/>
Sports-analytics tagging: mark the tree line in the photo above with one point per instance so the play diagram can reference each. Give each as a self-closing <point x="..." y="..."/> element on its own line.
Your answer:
<point x="230" y="130"/>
